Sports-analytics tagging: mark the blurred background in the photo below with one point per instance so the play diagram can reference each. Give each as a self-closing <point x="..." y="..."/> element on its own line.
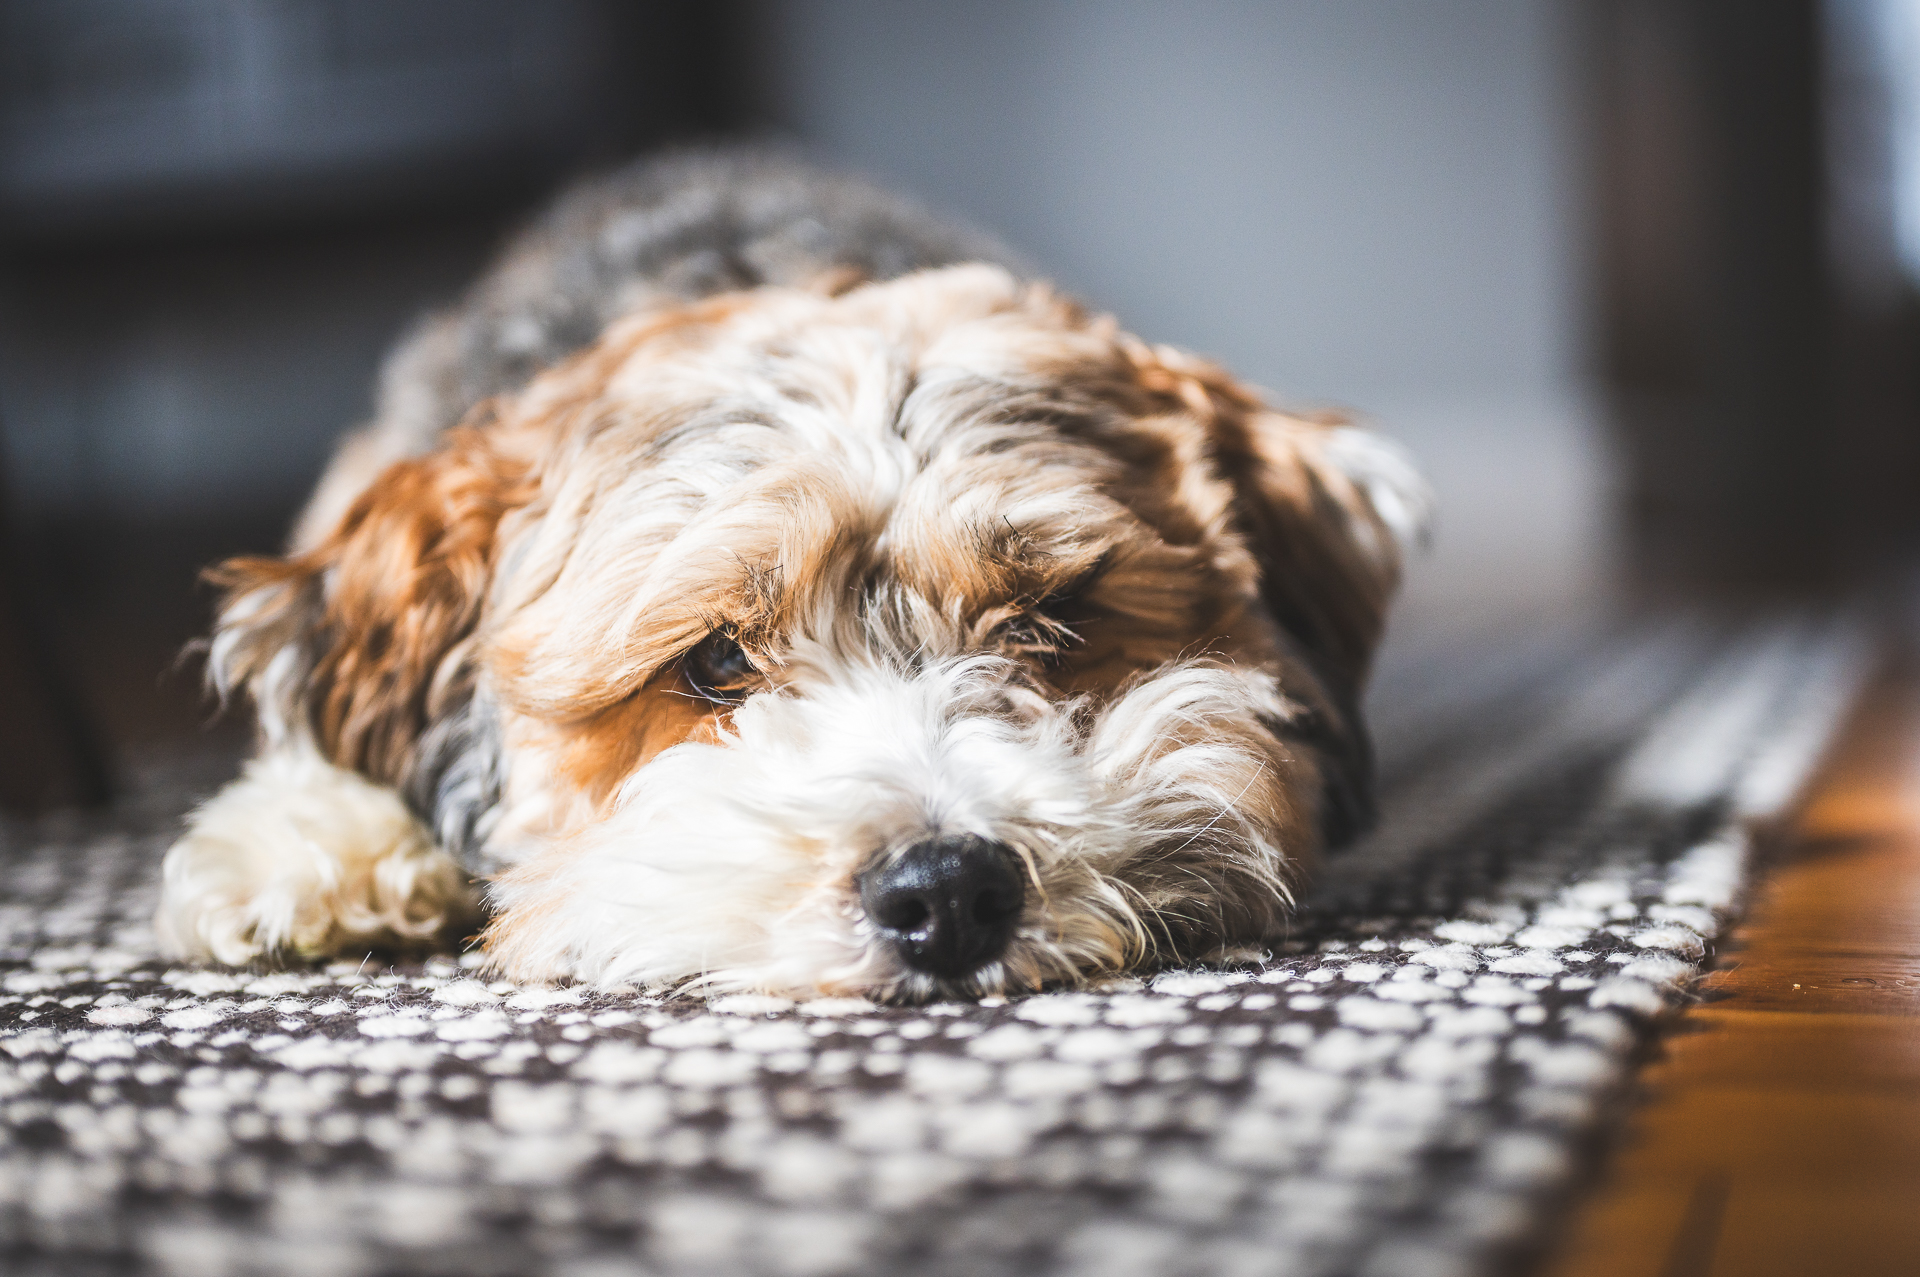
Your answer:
<point x="1634" y="279"/>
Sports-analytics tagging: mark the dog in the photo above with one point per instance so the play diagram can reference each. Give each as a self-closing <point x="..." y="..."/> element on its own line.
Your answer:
<point x="758" y="584"/>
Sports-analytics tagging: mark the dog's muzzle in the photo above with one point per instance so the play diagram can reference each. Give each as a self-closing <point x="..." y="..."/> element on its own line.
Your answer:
<point x="947" y="905"/>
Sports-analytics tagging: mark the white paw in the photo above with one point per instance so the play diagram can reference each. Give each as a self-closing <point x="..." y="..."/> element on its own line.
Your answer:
<point x="300" y="856"/>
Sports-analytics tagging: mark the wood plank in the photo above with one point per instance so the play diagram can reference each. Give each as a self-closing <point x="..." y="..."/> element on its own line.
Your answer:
<point x="1866" y="896"/>
<point x="1627" y="1231"/>
<point x="1779" y="1134"/>
<point x="1781" y="1131"/>
<point x="1716" y="1225"/>
<point x="1859" y="1230"/>
<point x="1834" y="981"/>
<point x="1739" y="1047"/>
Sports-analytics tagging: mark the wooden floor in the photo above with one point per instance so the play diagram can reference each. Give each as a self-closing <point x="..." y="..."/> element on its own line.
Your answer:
<point x="1781" y="1133"/>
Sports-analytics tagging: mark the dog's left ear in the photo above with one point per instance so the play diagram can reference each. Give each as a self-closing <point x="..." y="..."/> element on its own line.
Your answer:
<point x="1329" y="511"/>
<point x="361" y="641"/>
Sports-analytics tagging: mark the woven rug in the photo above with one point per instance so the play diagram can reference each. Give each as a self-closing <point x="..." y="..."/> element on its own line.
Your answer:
<point x="1405" y="1085"/>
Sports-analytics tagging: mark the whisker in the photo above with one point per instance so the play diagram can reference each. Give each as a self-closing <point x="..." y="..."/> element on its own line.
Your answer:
<point x="1260" y="771"/>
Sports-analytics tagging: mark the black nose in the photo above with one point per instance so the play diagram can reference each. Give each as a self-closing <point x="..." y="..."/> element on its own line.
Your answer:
<point x="947" y="904"/>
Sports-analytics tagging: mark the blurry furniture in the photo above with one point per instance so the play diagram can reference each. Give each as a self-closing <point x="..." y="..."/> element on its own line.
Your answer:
<point x="49" y="751"/>
<point x="1757" y="338"/>
<point x="131" y="115"/>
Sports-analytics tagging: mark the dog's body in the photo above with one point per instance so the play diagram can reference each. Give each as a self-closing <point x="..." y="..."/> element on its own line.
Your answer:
<point x="805" y="604"/>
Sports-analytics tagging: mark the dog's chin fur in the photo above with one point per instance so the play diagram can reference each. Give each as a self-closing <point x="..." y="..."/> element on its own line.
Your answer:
<point x="989" y="565"/>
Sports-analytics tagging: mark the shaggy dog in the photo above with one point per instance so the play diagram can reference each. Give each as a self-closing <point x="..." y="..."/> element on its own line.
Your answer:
<point x="759" y="587"/>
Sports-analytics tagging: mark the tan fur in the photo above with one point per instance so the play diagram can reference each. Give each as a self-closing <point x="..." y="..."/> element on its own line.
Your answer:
<point x="401" y="581"/>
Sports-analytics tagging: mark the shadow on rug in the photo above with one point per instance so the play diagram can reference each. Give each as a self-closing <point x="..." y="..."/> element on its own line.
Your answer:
<point x="1404" y="1086"/>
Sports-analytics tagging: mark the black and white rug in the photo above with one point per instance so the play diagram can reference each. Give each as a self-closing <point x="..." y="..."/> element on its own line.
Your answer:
<point x="1404" y="1086"/>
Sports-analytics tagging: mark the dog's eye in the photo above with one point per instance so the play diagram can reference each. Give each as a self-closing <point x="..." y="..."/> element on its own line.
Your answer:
<point x="719" y="670"/>
<point x="1056" y="623"/>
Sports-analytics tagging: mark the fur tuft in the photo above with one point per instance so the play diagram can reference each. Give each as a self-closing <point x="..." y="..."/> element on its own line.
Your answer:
<point x="1393" y="484"/>
<point x="303" y="857"/>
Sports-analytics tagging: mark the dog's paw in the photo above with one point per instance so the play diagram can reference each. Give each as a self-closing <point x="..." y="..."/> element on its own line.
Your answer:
<point x="300" y="857"/>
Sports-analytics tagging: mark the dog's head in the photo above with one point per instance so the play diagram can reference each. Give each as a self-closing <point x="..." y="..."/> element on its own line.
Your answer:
<point x="929" y="636"/>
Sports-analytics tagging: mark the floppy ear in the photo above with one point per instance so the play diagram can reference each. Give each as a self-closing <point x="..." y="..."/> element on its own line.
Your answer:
<point x="1328" y="511"/>
<point x="363" y="641"/>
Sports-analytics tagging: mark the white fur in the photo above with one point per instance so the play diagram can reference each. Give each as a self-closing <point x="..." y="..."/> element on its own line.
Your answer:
<point x="1394" y="485"/>
<point x="735" y="863"/>
<point x="301" y="855"/>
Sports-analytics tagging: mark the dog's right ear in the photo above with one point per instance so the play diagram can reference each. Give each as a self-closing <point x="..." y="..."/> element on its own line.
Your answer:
<point x="1328" y="512"/>
<point x="1328" y="509"/>
<point x="362" y="641"/>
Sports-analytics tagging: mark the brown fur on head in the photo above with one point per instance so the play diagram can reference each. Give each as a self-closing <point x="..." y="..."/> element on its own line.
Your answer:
<point x="725" y="616"/>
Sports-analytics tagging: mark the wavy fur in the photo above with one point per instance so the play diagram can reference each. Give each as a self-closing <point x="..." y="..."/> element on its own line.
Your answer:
<point x="995" y="567"/>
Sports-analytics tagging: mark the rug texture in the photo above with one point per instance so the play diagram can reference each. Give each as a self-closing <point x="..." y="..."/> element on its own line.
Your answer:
<point x="1404" y="1085"/>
